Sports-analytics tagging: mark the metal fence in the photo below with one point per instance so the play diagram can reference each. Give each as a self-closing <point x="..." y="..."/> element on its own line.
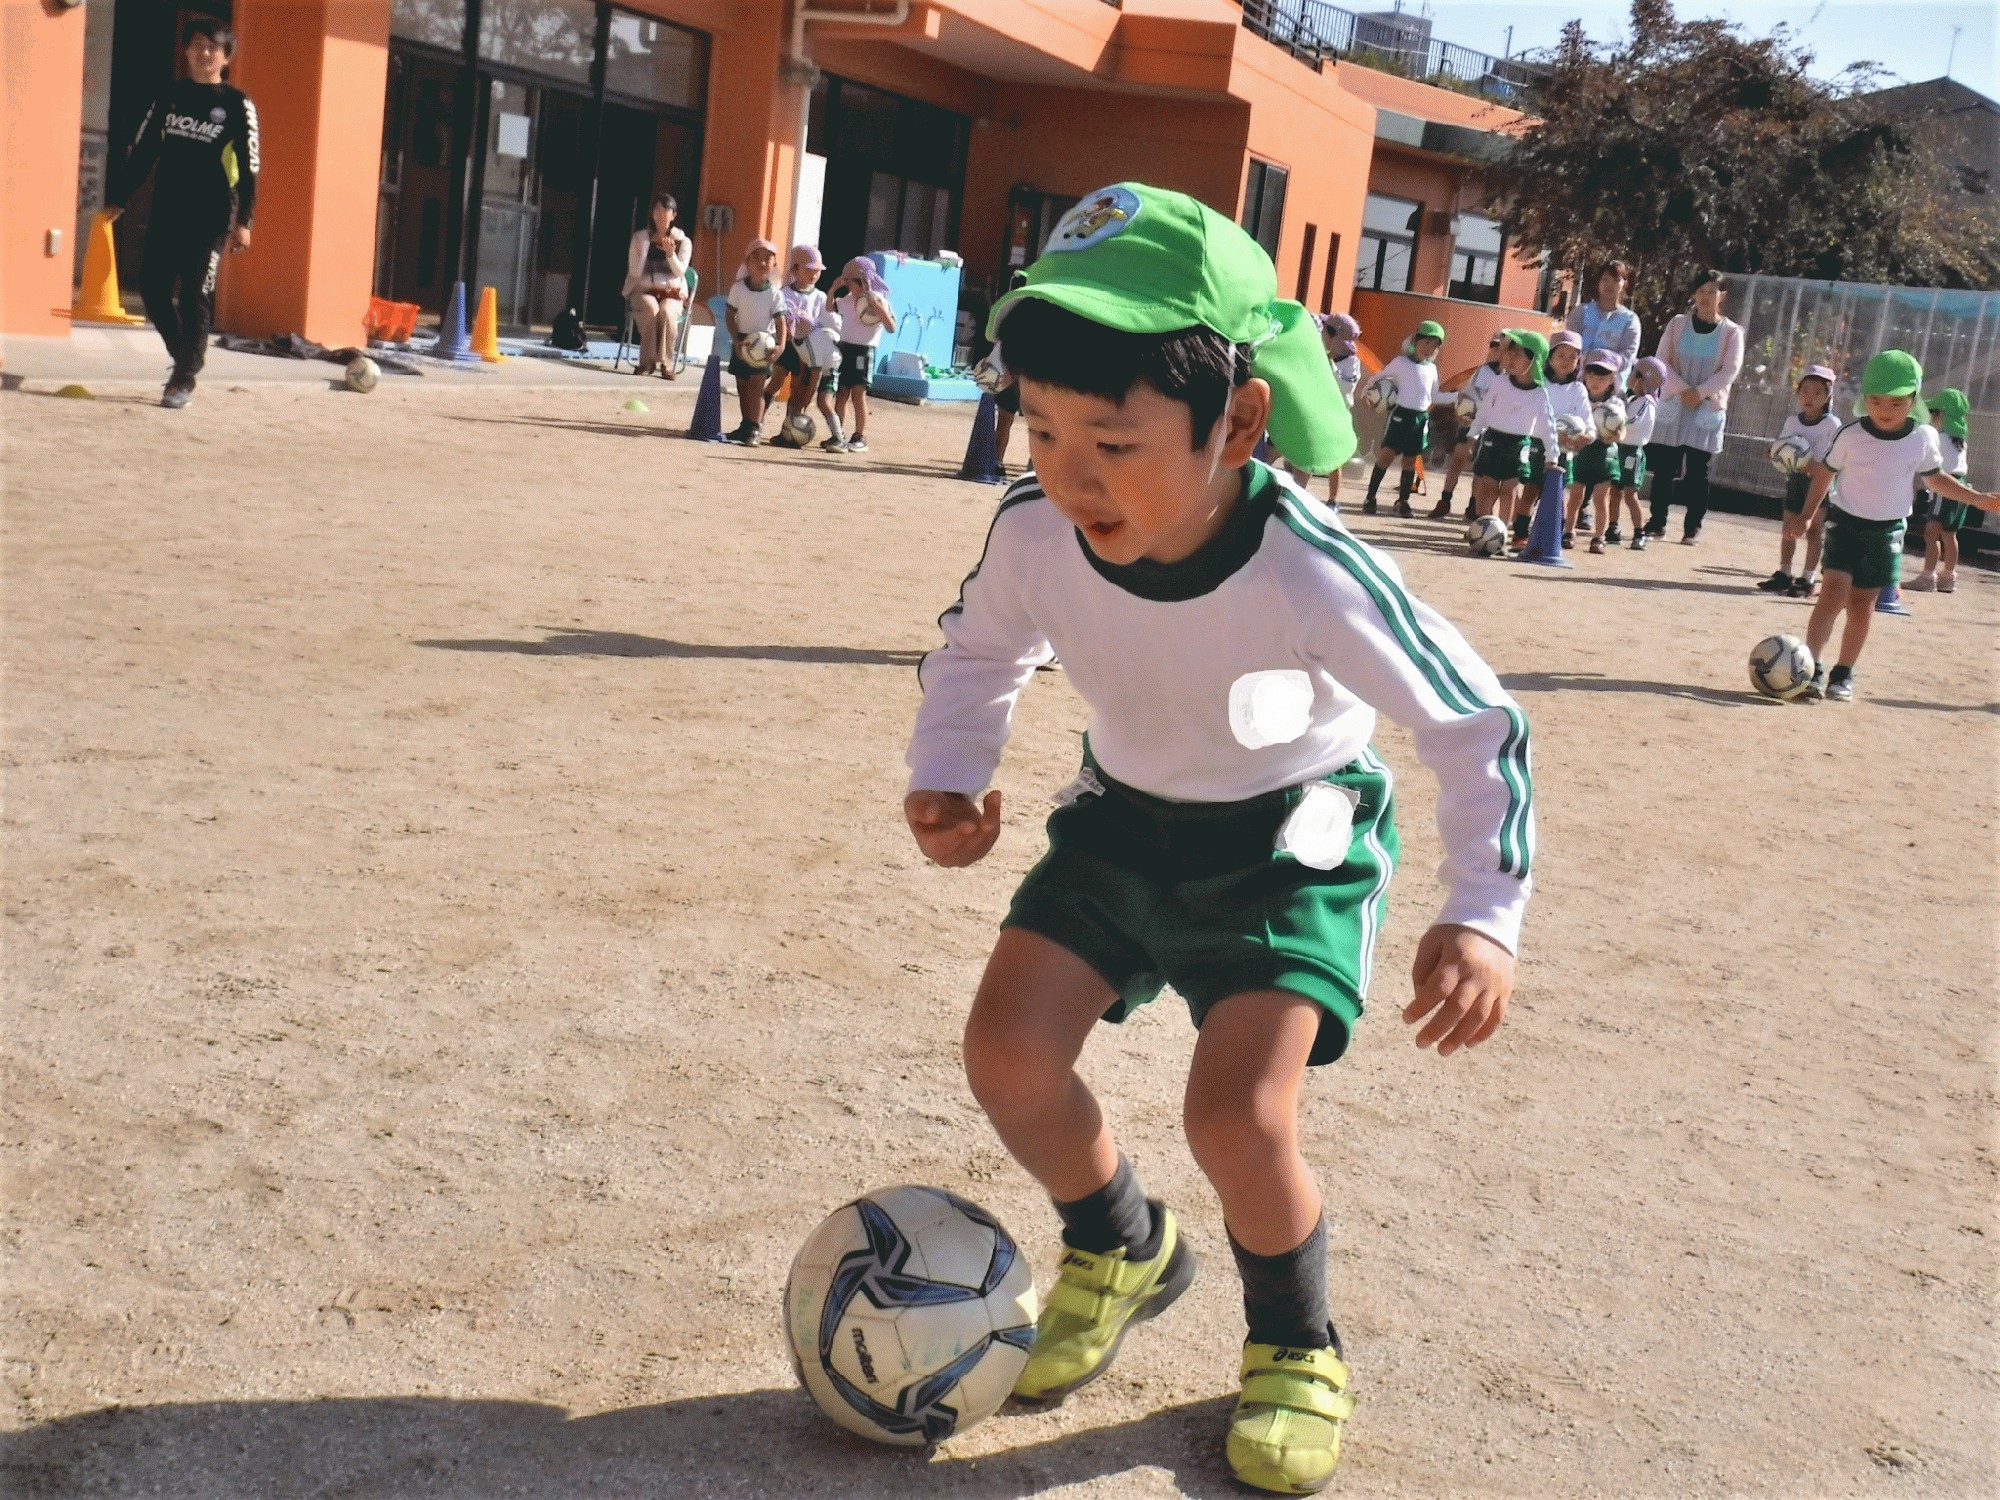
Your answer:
<point x="1789" y="324"/>
<point x="1315" y="32"/>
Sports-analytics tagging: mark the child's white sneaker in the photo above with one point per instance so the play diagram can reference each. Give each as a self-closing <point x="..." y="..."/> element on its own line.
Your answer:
<point x="1923" y="583"/>
<point x="1948" y="582"/>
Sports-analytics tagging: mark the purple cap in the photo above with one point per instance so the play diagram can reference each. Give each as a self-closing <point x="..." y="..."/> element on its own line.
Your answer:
<point x="1341" y="326"/>
<point x="1567" y="340"/>
<point x="1605" y="359"/>
<point x="1820" y="372"/>
<point x="1650" y="366"/>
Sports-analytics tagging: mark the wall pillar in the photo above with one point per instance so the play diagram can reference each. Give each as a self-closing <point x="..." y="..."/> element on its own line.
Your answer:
<point x="41" y="123"/>
<point x="317" y="71"/>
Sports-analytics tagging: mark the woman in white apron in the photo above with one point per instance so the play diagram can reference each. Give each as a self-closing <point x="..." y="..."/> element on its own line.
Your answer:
<point x="1703" y="353"/>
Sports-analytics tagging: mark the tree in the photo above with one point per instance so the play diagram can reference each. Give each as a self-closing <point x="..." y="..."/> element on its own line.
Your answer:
<point x="1689" y="144"/>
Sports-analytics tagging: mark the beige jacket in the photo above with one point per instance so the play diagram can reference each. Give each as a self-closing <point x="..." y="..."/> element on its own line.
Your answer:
<point x="680" y="250"/>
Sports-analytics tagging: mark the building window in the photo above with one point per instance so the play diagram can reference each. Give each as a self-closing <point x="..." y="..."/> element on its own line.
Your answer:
<point x="1306" y="263"/>
<point x="1388" y="244"/>
<point x="1475" y="260"/>
<point x="441" y="23"/>
<point x="552" y="38"/>
<point x="1264" y="204"/>
<point x="655" y="61"/>
<point x="1332" y="267"/>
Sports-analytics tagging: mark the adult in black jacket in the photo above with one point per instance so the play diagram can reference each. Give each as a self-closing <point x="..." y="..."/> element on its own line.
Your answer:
<point x="201" y="135"/>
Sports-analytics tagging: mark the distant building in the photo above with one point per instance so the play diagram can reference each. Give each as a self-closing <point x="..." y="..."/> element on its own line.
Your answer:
<point x="1962" y="123"/>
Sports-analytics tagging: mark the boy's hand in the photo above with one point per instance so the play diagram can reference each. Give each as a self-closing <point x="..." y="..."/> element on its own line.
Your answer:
<point x="1466" y="979"/>
<point x="950" y="827"/>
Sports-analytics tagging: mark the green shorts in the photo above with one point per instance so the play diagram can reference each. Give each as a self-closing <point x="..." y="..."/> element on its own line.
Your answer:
<point x="1796" y="486"/>
<point x="1949" y="514"/>
<point x="1502" y="456"/>
<point x="1870" y="553"/>
<point x="1408" y="432"/>
<point x="1198" y="895"/>
<point x="1631" y="466"/>
<point x="1597" y="464"/>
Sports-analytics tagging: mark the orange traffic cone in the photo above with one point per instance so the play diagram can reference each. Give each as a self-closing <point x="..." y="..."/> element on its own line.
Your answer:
<point x="486" y="327"/>
<point x="97" y="300"/>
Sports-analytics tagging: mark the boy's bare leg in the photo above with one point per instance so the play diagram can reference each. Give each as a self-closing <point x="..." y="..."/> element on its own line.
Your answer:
<point x="860" y="411"/>
<point x="1833" y="598"/>
<point x="1933" y="546"/>
<point x="1815" y="542"/>
<point x="1603" y="510"/>
<point x="1035" y="1009"/>
<point x="750" y="399"/>
<point x="1242" y="1116"/>
<point x="1788" y="541"/>
<point x="1854" y="635"/>
<point x="1948" y="551"/>
<point x="1485" y="493"/>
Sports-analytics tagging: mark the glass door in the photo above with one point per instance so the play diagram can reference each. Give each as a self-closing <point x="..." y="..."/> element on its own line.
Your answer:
<point x="509" y="206"/>
<point x="420" y="158"/>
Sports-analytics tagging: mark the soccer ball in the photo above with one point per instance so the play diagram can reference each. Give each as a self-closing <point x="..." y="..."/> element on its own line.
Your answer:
<point x="1466" y="404"/>
<point x="1780" y="667"/>
<point x="910" y="1315"/>
<point x="362" y="373"/>
<point x="1378" y="393"/>
<point x="1788" y="454"/>
<point x="1609" y="418"/>
<point x="758" y="349"/>
<point x="1486" y="537"/>
<point x="1571" y="428"/>
<point x="802" y="428"/>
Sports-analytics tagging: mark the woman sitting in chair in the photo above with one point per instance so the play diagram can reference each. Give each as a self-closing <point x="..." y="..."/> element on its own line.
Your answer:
<point x="656" y="285"/>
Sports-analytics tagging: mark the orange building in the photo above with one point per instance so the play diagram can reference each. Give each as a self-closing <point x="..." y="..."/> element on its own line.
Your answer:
<point x="409" y="144"/>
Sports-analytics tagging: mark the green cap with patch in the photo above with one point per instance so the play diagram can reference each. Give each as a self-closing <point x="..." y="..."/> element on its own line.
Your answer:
<point x="1145" y="260"/>
<point x="1954" y="411"/>
<point x="1536" y="345"/>
<point x="1894" y="373"/>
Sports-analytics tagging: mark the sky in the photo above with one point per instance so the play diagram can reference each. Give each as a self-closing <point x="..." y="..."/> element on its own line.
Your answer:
<point x="1911" y="38"/>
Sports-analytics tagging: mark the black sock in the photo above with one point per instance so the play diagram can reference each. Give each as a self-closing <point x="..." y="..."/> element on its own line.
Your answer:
<point x="1284" y="1296"/>
<point x="1116" y="1215"/>
<point x="1405" y="482"/>
<point x="1446" y="496"/>
<point x="1840" y="673"/>
<point x="1375" y="480"/>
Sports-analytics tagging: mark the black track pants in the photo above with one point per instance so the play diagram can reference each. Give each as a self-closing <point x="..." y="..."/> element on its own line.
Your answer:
<point x="178" y="284"/>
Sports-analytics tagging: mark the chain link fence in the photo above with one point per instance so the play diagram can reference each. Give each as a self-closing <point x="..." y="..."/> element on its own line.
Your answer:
<point x="1789" y="324"/>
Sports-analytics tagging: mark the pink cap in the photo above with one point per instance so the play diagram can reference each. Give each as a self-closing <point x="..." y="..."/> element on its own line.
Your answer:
<point x="1341" y="326"/>
<point x="755" y="245"/>
<point x="1820" y="372"/>
<point x="808" y="255"/>
<point x="1567" y="340"/>
<point x="1605" y="359"/>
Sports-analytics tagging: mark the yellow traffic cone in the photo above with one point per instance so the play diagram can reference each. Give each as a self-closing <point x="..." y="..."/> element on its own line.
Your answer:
<point x="486" y="327"/>
<point x="97" y="300"/>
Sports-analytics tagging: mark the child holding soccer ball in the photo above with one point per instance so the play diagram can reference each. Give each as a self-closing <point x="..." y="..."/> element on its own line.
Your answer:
<point x="1461" y="451"/>
<point x="800" y="305"/>
<point x="1814" y="425"/>
<point x="1408" y="433"/>
<point x="1568" y="397"/>
<point x="1597" y="464"/>
<point x="1949" y="414"/>
<point x="1229" y="832"/>
<point x="1642" y="409"/>
<point x="1877" y="462"/>
<point x="752" y="313"/>
<point x="861" y="298"/>
<point x="1513" y="432"/>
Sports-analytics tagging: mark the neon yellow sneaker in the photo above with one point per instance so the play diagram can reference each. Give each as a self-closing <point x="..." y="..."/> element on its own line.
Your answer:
<point x="1285" y="1436"/>
<point x="1095" y="1300"/>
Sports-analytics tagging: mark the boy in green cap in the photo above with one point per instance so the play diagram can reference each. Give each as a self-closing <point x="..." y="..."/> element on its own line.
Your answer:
<point x="1230" y="831"/>
<point x="1514" y="432"/>
<point x="1949" y="414"/>
<point x="1878" y="461"/>
<point x="1414" y="375"/>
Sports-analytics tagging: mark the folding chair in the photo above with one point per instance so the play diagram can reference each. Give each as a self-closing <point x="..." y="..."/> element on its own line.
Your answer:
<point x="629" y="328"/>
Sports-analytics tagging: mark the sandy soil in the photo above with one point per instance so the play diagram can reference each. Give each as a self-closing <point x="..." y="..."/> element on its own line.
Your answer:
<point x="461" y="936"/>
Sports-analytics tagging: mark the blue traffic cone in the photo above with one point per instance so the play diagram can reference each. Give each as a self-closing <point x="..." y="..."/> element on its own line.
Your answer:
<point x="982" y="449"/>
<point x="453" y="341"/>
<point x="1890" y="600"/>
<point x="1545" y="536"/>
<point x="706" y="424"/>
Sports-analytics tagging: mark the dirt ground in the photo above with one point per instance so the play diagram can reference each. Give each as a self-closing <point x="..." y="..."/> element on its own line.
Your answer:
<point x="461" y="936"/>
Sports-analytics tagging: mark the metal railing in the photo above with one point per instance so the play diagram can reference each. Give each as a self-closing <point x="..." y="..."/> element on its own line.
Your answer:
<point x="1315" y="32"/>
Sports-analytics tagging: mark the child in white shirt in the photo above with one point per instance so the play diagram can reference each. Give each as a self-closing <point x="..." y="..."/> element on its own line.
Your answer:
<point x="752" y="310"/>
<point x="1816" y="426"/>
<point x="861" y="298"/>
<point x="1461" y="452"/>
<point x="1408" y="432"/>
<point x="1642" y="409"/>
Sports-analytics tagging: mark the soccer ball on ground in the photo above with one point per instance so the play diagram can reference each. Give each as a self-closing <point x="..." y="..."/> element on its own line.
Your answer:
<point x="1466" y="404"/>
<point x="362" y="374"/>
<point x="1608" y="417"/>
<point x="1780" y="667"/>
<point x="802" y="428"/>
<point x="1378" y="393"/>
<point x="1486" y="537"/>
<point x="910" y="1314"/>
<point x="758" y="349"/>
<point x="1788" y="454"/>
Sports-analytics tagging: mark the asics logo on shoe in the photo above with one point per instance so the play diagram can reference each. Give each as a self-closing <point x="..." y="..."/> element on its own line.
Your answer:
<point x="1296" y="1356"/>
<point x="861" y="1353"/>
<point x="1071" y="1258"/>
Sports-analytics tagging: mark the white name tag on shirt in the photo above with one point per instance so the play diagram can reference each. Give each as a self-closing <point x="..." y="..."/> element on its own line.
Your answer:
<point x="1270" y="708"/>
<point x="1321" y="827"/>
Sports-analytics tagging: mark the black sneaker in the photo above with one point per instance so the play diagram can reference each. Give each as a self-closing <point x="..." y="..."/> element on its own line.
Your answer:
<point x="834" y="444"/>
<point x="1368" y="506"/>
<point x="179" y="391"/>
<point x="1613" y="536"/>
<point x="1690" y="538"/>
<point x="1840" y="686"/>
<point x="857" y="444"/>
<point x="1403" y="509"/>
<point x="1779" y="582"/>
<point x="1816" y="689"/>
<point x="1441" y="511"/>
<point x="1654" y="531"/>
<point x="1639" y="540"/>
<point x="1803" y="586"/>
<point x="746" y="433"/>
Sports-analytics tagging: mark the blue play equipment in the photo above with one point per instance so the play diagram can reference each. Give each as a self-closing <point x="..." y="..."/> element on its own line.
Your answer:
<point x="924" y="294"/>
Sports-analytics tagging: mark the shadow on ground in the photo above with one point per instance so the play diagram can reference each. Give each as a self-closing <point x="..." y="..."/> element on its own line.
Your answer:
<point x="565" y="642"/>
<point x="748" y="1443"/>
<point x="1594" y="682"/>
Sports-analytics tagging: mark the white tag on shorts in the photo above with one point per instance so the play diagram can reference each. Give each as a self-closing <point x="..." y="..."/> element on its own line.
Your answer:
<point x="1321" y="827"/>
<point x="1085" y="785"/>
<point x="1270" y="708"/>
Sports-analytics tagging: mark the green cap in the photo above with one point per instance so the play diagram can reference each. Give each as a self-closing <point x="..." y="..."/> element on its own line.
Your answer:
<point x="1893" y="373"/>
<point x="1535" y="344"/>
<point x="1429" y="330"/>
<point x="1952" y="409"/>
<point x="1145" y="260"/>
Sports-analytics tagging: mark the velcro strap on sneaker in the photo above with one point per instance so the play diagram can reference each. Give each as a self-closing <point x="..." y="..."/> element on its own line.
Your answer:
<point x="1297" y="1392"/>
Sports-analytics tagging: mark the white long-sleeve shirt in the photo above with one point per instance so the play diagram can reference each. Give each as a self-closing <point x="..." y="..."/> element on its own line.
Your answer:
<point x="1416" y="382"/>
<point x="1156" y="650"/>
<point x="1517" y="410"/>
<point x="1817" y="436"/>
<point x="1570" y="397"/>
<point x="1640" y="412"/>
